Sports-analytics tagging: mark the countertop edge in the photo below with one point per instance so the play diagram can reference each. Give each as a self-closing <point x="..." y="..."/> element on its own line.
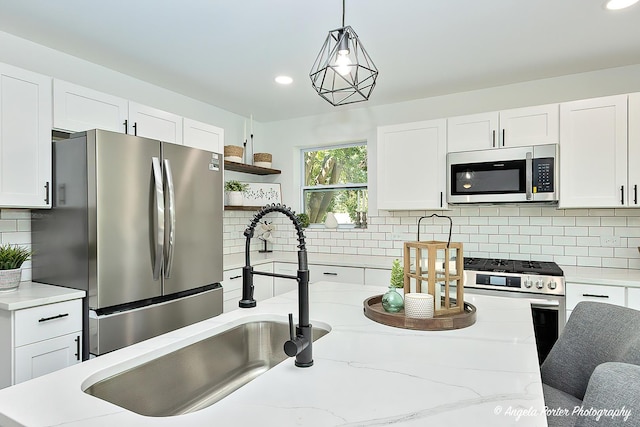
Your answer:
<point x="33" y="294"/>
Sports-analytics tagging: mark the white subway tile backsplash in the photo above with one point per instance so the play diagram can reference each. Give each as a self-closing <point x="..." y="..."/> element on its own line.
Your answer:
<point x="569" y="237"/>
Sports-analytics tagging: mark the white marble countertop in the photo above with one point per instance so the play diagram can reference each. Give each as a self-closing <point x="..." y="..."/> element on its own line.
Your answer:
<point x="30" y="294"/>
<point x="365" y="373"/>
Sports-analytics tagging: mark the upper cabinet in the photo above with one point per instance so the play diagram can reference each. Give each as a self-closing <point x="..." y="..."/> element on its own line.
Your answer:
<point x="203" y="135"/>
<point x="634" y="149"/>
<point x="25" y="138"/>
<point x="593" y="153"/>
<point x="152" y="123"/>
<point x="77" y="108"/>
<point x="509" y="128"/>
<point x="412" y="165"/>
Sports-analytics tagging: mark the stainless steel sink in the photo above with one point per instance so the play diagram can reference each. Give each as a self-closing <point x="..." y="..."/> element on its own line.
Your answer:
<point x="198" y="375"/>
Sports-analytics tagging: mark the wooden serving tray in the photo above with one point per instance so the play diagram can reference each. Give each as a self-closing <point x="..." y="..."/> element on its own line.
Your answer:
<point x="374" y="311"/>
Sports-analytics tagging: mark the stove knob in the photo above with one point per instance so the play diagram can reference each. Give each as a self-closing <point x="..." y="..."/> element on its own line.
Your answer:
<point x="539" y="284"/>
<point x="528" y="283"/>
<point x="552" y="285"/>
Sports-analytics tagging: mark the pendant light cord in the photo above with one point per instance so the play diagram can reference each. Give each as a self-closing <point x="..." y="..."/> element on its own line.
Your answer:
<point x="343" y="13"/>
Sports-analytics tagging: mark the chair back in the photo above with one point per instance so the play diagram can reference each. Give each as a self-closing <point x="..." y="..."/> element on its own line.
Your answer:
<point x="595" y="333"/>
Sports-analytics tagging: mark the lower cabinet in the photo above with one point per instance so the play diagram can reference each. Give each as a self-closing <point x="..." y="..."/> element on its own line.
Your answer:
<point x="39" y="340"/>
<point x="332" y="273"/>
<point x="576" y="292"/>
<point x="232" y="286"/>
<point x="633" y="298"/>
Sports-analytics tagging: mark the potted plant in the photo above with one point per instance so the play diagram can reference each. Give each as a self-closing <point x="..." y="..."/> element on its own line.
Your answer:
<point x="393" y="301"/>
<point x="11" y="259"/>
<point x="234" y="191"/>
<point x="304" y="219"/>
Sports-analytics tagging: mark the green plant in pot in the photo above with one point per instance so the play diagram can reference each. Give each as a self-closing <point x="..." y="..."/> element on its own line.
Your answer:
<point x="11" y="259"/>
<point x="304" y="219"/>
<point x="234" y="190"/>
<point x="392" y="301"/>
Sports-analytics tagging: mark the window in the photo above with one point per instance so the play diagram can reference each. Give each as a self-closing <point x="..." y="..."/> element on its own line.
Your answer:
<point x="335" y="180"/>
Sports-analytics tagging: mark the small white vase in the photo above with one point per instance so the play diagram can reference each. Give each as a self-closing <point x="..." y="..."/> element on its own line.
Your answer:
<point x="10" y="279"/>
<point x="235" y="198"/>
<point x="331" y="221"/>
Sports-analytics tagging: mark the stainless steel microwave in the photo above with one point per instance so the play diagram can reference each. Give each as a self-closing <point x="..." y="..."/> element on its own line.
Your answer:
<point x="504" y="175"/>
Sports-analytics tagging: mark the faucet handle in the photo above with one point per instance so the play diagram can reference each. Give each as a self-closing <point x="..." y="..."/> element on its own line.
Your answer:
<point x="292" y="332"/>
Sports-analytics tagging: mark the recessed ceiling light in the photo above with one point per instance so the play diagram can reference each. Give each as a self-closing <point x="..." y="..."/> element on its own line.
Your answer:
<point x="286" y="80"/>
<point x="620" y="4"/>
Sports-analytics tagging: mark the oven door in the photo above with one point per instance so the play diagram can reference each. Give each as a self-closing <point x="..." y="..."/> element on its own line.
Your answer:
<point x="548" y="313"/>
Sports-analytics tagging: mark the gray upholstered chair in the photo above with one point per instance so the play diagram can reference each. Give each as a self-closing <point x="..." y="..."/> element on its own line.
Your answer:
<point x="575" y="372"/>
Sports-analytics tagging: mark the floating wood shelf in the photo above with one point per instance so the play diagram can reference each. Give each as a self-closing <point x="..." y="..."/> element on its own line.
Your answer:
<point x="256" y="170"/>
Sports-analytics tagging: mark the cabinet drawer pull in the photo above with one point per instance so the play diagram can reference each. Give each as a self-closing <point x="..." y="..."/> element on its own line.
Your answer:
<point x="595" y="296"/>
<point x="77" y="340"/>
<point x="330" y="274"/>
<point x="235" y="277"/>
<point x="45" y="319"/>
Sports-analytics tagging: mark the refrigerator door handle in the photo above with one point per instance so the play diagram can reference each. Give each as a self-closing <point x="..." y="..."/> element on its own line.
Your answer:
<point x="171" y="234"/>
<point x="158" y="218"/>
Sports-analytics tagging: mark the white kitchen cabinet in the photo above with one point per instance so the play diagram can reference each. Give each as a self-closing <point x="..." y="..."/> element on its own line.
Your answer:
<point x="633" y="298"/>
<point x="203" y="136"/>
<point x="576" y="292"/>
<point x="593" y="153"/>
<point x="633" y="149"/>
<point x="25" y="138"/>
<point x="232" y="286"/>
<point x="152" y="123"/>
<point x="377" y="277"/>
<point x="516" y="127"/>
<point x="77" y="108"/>
<point x="39" y="340"/>
<point x="282" y="285"/>
<point x="333" y="273"/>
<point x="411" y="160"/>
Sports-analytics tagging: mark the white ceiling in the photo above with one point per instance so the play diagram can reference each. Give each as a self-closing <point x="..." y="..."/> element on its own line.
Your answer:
<point x="227" y="53"/>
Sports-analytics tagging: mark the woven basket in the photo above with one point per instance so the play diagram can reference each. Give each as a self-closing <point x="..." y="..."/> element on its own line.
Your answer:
<point x="233" y="151"/>
<point x="262" y="157"/>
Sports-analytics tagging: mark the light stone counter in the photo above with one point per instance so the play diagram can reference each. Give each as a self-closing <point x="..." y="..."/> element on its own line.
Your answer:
<point x="602" y="276"/>
<point x="365" y="373"/>
<point x="31" y="294"/>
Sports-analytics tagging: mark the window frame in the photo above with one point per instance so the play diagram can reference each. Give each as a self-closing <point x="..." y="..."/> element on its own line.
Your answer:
<point x="347" y="186"/>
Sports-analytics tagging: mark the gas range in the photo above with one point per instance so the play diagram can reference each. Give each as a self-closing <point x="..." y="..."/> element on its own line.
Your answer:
<point x="537" y="277"/>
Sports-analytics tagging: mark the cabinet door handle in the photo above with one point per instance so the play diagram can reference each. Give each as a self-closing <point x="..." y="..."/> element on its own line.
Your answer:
<point x="330" y="274"/>
<point x="46" y="192"/>
<point x="441" y="199"/>
<point x="493" y="142"/>
<point x="503" y="137"/>
<point x="595" y="296"/>
<point x="635" y="194"/>
<point x="126" y="126"/>
<point x="135" y="128"/>
<point x="46" y="319"/>
<point x="77" y="340"/>
<point x="622" y="194"/>
<point x="235" y="277"/>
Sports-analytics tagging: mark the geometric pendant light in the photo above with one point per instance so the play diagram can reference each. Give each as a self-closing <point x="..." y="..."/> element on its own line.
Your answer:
<point x="343" y="72"/>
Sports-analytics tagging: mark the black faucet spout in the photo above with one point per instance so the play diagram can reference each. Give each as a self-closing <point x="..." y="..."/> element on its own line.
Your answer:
<point x="301" y="337"/>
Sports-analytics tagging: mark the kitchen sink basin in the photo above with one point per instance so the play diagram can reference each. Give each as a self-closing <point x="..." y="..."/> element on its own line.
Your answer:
<point x="200" y="374"/>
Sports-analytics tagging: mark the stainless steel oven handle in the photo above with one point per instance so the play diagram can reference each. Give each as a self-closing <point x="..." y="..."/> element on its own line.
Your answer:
<point x="544" y="303"/>
<point x="529" y="175"/>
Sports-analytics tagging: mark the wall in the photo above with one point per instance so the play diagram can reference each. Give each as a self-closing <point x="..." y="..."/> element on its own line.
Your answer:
<point x="569" y="237"/>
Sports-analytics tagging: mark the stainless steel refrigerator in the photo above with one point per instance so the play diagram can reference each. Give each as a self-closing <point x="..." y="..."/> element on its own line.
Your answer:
<point x="137" y="223"/>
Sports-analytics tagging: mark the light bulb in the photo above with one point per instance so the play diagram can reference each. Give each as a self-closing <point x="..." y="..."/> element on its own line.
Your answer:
<point x="343" y="65"/>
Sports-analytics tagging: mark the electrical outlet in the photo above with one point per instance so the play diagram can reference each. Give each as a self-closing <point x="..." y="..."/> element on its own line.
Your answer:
<point x="610" y="241"/>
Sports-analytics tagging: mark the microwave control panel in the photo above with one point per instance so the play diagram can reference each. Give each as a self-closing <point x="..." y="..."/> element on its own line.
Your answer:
<point x="543" y="172"/>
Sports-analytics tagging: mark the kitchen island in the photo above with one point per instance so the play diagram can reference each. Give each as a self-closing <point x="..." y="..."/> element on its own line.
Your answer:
<point x="365" y="373"/>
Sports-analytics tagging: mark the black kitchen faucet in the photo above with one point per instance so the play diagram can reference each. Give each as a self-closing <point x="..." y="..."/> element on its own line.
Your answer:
<point x="299" y="343"/>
